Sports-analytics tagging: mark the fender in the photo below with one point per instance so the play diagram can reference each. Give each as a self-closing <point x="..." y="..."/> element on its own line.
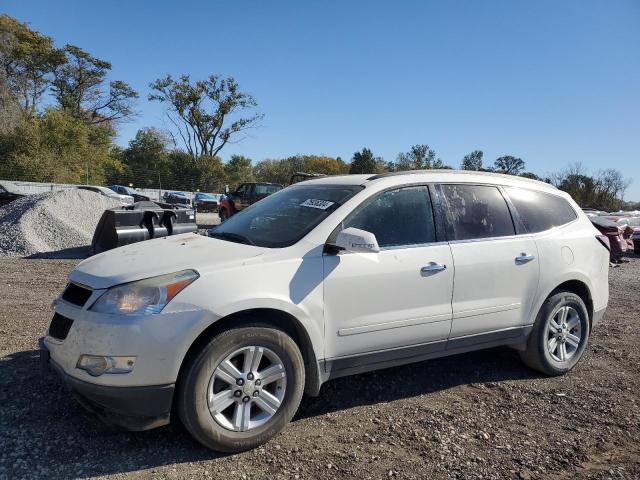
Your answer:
<point x="313" y="327"/>
<point x="559" y="280"/>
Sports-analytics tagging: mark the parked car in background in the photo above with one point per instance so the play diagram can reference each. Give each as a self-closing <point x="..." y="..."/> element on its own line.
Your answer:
<point x="246" y="194"/>
<point x="138" y="197"/>
<point x="107" y="192"/>
<point x="177" y="198"/>
<point x="326" y="278"/>
<point x="206" y="202"/>
<point x="614" y="232"/>
<point x="590" y="212"/>
<point x="8" y="192"/>
<point x="634" y="224"/>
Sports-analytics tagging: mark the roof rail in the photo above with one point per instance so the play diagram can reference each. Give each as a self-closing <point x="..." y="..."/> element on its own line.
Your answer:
<point x="457" y="172"/>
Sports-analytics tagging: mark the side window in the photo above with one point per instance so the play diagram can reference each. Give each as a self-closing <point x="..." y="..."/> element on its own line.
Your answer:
<point x="540" y="211"/>
<point x="396" y="217"/>
<point x="241" y="189"/>
<point x="476" y="211"/>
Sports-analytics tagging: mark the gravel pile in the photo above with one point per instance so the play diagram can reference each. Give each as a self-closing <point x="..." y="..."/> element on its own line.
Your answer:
<point x="56" y="224"/>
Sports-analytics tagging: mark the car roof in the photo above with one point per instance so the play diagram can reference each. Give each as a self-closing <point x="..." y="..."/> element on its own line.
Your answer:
<point x="432" y="176"/>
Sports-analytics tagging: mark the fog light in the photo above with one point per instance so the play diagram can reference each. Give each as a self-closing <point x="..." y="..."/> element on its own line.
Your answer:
<point x="96" y="365"/>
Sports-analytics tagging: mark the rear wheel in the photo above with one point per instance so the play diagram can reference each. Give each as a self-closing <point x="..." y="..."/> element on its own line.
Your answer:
<point x="223" y="214"/>
<point x="242" y="389"/>
<point x="560" y="335"/>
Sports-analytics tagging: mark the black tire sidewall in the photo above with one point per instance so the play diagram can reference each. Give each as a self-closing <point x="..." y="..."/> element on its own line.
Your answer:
<point x="194" y="410"/>
<point x="549" y="309"/>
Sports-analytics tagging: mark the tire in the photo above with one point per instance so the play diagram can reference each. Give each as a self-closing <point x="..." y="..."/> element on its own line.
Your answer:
<point x="214" y="428"/>
<point x="538" y="354"/>
<point x="223" y="214"/>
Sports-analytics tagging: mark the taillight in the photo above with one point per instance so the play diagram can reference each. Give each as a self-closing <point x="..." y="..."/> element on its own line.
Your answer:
<point x="604" y="241"/>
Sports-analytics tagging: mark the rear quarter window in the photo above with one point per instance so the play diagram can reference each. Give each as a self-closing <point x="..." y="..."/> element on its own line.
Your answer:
<point x="540" y="211"/>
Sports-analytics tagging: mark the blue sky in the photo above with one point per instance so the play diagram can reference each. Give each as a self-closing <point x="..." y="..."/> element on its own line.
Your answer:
<point x="553" y="82"/>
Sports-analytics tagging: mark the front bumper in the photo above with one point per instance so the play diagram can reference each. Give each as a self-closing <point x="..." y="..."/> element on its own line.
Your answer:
<point x="132" y="408"/>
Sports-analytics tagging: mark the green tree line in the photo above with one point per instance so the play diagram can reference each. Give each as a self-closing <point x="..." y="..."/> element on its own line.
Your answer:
<point x="60" y="112"/>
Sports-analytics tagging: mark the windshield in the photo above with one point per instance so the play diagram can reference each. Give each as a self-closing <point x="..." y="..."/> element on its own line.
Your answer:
<point x="205" y="196"/>
<point x="283" y="218"/>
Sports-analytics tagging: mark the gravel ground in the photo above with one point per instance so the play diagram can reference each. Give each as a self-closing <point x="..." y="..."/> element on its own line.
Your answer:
<point x="479" y="415"/>
<point x="57" y="224"/>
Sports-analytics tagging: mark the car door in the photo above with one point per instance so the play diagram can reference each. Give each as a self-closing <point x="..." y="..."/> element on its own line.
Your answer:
<point x="496" y="271"/>
<point x="398" y="297"/>
<point x="238" y="197"/>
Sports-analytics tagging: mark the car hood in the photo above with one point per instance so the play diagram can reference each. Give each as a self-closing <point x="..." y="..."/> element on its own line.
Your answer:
<point x="160" y="256"/>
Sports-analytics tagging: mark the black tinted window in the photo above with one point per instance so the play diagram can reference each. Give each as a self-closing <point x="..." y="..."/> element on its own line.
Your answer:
<point x="397" y="217"/>
<point x="476" y="211"/>
<point x="540" y="211"/>
<point x="267" y="189"/>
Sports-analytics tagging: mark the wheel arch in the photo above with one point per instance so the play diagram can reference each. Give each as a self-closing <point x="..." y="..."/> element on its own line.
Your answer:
<point x="280" y="319"/>
<point x="579" y="288"/>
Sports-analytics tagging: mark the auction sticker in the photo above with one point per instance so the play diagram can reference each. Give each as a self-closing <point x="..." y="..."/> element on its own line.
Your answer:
<point x="314" y="203"/>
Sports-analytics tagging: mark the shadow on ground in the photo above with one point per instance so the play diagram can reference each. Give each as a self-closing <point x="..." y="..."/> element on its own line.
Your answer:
<point x="66" y="253"/>
<point x="45" y="428"/>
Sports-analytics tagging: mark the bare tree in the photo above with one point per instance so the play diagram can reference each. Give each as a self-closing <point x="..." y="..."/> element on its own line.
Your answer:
<point x="79" y="87"/>
<point x="204" y="113"/>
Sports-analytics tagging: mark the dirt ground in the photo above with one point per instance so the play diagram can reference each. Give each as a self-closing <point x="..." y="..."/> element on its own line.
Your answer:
<point x="479" y="415"/>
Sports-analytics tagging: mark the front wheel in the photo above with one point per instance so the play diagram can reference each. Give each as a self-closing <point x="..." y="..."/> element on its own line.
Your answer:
<point x="242" y="389"/>
<point x="223" y="214"/>
<point x="560" y="335"/>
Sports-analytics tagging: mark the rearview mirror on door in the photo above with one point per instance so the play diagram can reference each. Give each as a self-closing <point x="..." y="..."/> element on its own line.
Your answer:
<point x="356" y="240"/>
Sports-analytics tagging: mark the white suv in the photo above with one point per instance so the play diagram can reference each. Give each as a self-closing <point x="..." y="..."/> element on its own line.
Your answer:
<point x="326" y="278"/>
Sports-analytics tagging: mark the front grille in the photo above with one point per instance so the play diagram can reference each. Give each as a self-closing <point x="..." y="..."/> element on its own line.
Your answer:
<point x="60" y="326"/>
<point x="76" y="294"/>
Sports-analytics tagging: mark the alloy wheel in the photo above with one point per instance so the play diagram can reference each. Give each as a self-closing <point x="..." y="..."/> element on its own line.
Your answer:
<point x="247" y="388"/>
<point x="564" y="333"/>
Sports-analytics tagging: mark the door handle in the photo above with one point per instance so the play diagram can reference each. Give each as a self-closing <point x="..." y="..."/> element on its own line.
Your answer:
<point x="524" y="258"/>
<point x="432" y="267"/>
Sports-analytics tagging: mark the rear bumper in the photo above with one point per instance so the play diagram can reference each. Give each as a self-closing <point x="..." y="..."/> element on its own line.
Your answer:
<point x="131" y="408"/>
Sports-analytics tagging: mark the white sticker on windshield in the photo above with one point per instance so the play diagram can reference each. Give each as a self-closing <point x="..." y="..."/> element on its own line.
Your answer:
<point x="314" y="203"/>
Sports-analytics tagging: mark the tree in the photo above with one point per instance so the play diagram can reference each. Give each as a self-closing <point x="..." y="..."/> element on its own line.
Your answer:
<point x="280" y="171"/>
<point x="473" y="161"/>
<point x="28" y="60"/>
<point x="364" y="162"/>
<point x="79" y="89"/>
<point x="604" y="191"/>
<point x="238" y="169"/>
<point x="420" y="157"/>
<point x="205" y="113"/>
<point x="509" y="165"/>
<point x="146" y="160"/>
<point x="57" y="147"/>
<point x="530" y="175"/>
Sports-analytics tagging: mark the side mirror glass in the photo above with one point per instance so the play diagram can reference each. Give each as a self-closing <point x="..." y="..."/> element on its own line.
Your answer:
<point x="356" y="240"/>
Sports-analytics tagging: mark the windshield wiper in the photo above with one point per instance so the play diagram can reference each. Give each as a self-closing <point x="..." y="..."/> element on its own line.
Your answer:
<point x="232" y="237"/>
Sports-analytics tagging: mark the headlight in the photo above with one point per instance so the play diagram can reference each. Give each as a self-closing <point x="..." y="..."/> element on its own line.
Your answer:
<point x="144" y="296"/>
